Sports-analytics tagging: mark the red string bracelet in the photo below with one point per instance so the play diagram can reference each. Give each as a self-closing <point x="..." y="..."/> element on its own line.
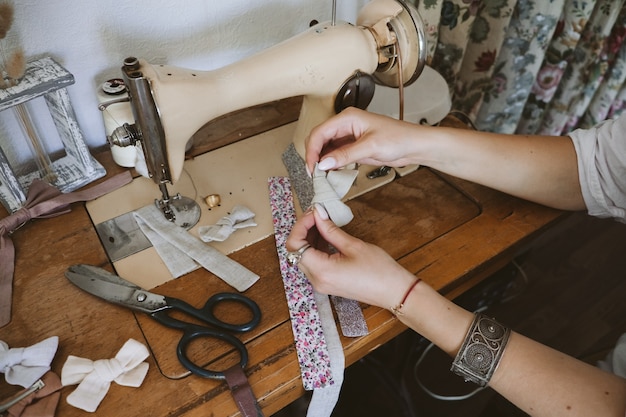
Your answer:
<point x="396" y="310"/>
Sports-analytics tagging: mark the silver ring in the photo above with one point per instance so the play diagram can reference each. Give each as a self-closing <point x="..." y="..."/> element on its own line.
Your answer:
<point x="294" y="257"/>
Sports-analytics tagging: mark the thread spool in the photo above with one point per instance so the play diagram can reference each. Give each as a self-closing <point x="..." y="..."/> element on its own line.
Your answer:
<point x="213" y="200"/>
<point x="112" y="95"/>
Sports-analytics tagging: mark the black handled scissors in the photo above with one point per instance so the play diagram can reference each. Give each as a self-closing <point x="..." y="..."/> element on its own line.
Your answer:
<point x="117" y="290"/>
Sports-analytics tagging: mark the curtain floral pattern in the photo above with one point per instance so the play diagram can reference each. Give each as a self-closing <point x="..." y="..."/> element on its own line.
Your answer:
<point x="530" y="66"/>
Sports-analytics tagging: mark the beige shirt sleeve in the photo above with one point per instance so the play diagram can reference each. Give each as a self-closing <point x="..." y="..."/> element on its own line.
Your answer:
<point x="601" y="153"/>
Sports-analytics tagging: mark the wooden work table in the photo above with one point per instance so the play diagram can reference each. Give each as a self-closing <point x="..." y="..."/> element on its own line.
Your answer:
<point x="451" y="233"/>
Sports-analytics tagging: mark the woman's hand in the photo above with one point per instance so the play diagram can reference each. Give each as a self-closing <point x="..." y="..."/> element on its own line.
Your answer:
<point x="358" y="136"/>
<point x="542" y="169"/>
<point x="356" y="270"/>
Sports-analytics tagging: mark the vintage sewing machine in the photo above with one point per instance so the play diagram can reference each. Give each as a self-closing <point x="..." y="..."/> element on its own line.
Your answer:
<point x="332" y="65"/>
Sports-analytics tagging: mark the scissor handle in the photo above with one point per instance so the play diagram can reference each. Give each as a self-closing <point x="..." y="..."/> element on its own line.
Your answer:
<point x="193" y="332"/>
<point x="206" y="312"/>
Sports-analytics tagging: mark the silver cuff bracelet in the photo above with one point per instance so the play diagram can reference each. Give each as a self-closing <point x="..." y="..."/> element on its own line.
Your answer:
<point x="481" y="351"/>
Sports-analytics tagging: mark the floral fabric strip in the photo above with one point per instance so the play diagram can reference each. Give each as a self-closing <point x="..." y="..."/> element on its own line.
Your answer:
<point x="311" y="346"/>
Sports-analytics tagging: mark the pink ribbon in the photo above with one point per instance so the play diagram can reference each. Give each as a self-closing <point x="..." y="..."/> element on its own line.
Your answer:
<point x="43" y="201"/>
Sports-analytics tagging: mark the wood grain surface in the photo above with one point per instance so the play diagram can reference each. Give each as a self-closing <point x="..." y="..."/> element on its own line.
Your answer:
<point x="450" y="232"/>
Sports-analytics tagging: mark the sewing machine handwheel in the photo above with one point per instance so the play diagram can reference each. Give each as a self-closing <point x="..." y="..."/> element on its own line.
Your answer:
<point x="411" y="42"/>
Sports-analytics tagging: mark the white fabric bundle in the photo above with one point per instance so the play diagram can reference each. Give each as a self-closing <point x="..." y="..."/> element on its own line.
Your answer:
<point x="239" y="218"/>
<point x="329" y="188"/>
<point x="94" y="377"/>
<point x="24" y="366"/>
<point x="182" y="252"/>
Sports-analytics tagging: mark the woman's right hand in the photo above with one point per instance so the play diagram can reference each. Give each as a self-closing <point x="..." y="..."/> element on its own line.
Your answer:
<point x="357" y="136"/>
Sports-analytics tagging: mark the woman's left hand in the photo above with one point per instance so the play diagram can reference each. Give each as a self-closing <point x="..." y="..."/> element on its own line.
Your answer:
<point x="355" y="269"/>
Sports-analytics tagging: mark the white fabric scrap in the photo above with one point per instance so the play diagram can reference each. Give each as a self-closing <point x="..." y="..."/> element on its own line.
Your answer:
<point x="182" y="252"/>
<point x="24" y="366"/>
<point x="325" y="399"/>
<point x="240" y="217"/>
<point x="615" y="361"/>
<point x="94" y="377"/>
<point x="329" y="188"/>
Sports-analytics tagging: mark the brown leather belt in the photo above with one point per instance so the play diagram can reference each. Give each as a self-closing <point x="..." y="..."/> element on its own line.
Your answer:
<point x="242" y="392"/>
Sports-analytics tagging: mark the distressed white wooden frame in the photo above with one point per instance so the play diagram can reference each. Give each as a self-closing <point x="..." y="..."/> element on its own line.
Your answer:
<point x="45" y="77"/>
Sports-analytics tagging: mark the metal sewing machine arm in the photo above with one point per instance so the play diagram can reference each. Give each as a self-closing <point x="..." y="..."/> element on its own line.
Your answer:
<point x="148" y="130"/>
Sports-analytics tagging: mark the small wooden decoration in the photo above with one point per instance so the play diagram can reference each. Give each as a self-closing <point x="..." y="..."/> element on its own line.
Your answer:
<point x="46" y="78"/>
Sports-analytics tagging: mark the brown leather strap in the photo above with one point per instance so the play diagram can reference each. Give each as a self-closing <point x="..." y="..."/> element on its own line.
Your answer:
<point x="242" y="392"/>
<point x="43" y="201"/>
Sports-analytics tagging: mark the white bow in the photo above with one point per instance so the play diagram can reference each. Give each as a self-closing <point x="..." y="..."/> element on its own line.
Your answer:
<point x="95" y="377"/>
<point x="24" y="366"/>
<point x="329" y="188"/>
<point x="239" y="218"/>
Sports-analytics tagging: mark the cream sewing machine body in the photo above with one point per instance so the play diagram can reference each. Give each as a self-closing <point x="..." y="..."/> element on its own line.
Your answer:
<point x="332" y="65"/>
<point x="188" y="99"/>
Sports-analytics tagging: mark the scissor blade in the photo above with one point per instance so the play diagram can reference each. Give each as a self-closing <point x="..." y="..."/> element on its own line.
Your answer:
<point x="114" y="289"/>
<point x="102" y="274"/>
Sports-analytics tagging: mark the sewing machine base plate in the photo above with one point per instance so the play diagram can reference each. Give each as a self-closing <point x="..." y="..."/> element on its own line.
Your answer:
<point x="122" y="237"/>
<point x="238" y="173"/>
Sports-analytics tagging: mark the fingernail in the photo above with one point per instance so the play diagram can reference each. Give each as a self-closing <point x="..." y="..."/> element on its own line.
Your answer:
<point x="321" y="211"/>
<point x="327" y="163"/>
<point x="308" y="171"/>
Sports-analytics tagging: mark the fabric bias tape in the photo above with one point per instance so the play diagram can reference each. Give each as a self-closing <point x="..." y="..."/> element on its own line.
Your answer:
<point x="311" y="346"/>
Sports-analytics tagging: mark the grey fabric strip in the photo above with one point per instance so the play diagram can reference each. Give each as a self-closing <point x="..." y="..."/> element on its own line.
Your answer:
<point x="349" y="312"/>
<point x="350" y="317"/>
<point x="300" y="180"/>
<point x="179" y="249"/>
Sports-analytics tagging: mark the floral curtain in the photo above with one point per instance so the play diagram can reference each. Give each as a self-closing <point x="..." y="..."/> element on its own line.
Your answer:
<point x="530" y="66"/>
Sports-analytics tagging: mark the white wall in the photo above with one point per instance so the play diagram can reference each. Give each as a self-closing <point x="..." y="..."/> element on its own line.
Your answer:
<point x="91" y="38"/>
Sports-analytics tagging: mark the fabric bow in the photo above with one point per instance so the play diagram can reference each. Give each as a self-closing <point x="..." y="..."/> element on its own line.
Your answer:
<point x="41" y="403"/>
<point x="239" y="218"/>
<point x="24" y="366"/>
<point x="95" y="377"/>
<point x="43" y="201"/>
<point x="329" y="188"/>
